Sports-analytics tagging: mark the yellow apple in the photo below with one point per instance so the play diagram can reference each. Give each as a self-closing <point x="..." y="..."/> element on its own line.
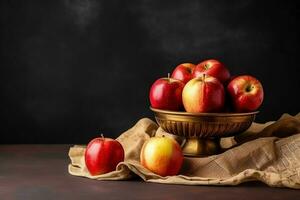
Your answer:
<point x="162" y="155"/>
<point x="203" y="94"/>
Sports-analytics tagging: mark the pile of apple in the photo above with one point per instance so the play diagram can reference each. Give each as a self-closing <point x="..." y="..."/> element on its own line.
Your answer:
<point x="206" y="87"/>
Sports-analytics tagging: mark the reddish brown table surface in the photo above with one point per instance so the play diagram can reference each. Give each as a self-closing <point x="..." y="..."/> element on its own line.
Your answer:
<point x="40" y="172"/>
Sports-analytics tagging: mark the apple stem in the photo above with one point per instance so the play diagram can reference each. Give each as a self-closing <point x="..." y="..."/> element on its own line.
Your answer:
<point x="168" y="75"/>
<point x="203" y="77"/>
<point x="102" y="136"/>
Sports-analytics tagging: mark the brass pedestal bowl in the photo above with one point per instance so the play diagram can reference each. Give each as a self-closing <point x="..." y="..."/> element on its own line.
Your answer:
<point x="201" y="132"/>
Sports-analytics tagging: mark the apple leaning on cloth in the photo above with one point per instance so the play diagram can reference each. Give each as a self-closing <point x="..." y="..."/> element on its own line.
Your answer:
<point x="162" y="155"/>
<point x="102" y="155"/>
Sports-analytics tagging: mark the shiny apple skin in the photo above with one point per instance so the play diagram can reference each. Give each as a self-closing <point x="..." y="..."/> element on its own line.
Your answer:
<point x="183" y="72"/>
<point x="102" y="155"/>
<point x="203" y="94"/>
<point x="246" y="93"/>
<point x="212" y="68"/>
<point x="162" y="155"/>
<point x="165" y="93"/>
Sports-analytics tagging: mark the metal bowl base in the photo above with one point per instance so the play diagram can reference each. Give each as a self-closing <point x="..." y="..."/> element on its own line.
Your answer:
<point x="196" y="147"/>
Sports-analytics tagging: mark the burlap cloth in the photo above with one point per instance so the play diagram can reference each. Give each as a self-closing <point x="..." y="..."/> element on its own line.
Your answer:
<point x="267" y="152"/>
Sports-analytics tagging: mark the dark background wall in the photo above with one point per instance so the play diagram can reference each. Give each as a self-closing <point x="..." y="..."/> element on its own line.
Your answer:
<point x="72" y="67"/>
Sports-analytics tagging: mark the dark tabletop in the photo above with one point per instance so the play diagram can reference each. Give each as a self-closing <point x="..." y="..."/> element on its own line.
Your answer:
<point x="40" y="172"/>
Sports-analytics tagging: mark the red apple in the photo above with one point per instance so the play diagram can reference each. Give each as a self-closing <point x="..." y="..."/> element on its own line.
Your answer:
<point x="102" y="155"/>
<point x="212" y="68"/>
<point x="183" y="72"/>
<point x="246" y="93"/>
<point x="165" y="93"/>
<point x="162" y="155"/>
<point x="203" y="94"/>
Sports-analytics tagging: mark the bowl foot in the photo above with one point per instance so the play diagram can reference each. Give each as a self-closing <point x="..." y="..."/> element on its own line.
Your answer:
<point x="197" y="147"/>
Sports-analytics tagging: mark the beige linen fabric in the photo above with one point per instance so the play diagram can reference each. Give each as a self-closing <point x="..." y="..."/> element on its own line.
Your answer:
<point x="267" y="152"/>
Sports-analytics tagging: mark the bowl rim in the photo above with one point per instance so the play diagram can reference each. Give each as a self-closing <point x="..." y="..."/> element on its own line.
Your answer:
<point x="181" y="113"/>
